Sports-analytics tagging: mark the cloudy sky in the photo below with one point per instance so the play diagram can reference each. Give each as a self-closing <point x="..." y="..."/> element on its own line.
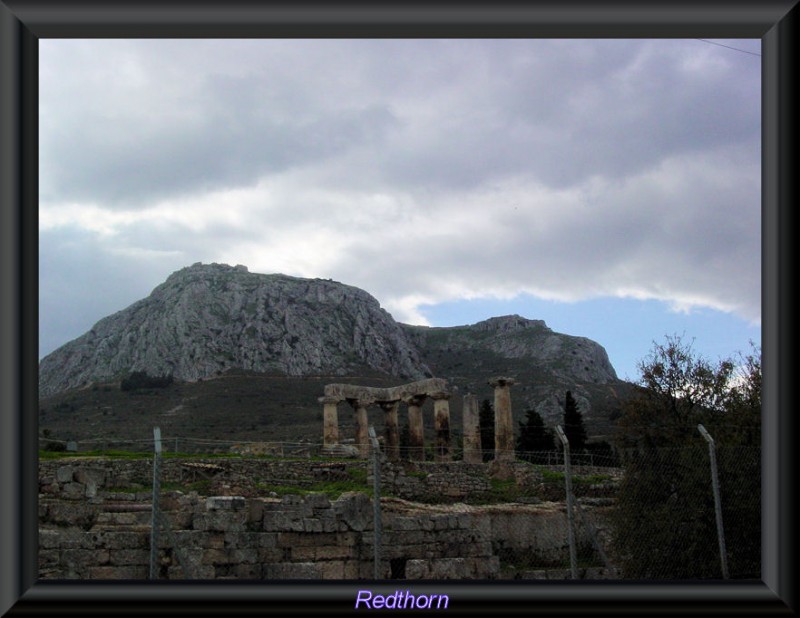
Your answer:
<point x="609" y="187"/>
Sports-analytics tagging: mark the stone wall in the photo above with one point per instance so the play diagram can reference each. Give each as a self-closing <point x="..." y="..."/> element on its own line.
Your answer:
<point x="89" y="529"/>
<point x="218" y="537"/>
<point x="409" y="480"/>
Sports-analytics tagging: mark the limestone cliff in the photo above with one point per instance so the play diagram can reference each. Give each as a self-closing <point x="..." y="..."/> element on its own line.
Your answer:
<point x="206" y="319"/>
<point x="572" y="359"/>
<point x="545" y="364"/>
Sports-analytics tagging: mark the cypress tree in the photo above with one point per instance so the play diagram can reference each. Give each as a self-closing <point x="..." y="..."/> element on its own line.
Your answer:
<point x="573" y="425"/>
<point x="535" y="439"/>
<point x="486" y="416"/>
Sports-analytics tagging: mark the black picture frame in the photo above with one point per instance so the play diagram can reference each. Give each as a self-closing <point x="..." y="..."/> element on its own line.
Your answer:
<point x="24" y="22"/>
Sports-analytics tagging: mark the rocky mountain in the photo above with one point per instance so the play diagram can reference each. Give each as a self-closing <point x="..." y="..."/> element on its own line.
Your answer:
<point x="546" y="365"/>
<point x="208" y="320"/>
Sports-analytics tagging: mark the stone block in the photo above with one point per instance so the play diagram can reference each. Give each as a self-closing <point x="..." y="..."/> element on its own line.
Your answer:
<point x="64" y="474"/>
<point x="242" y="540"/>
<point x="351" y="570"/>
<point x="256" y="512"/>
<point x="49" y="558"/>
<point x="355" y="510"/>
<point x="269" y="555"/>
<point x="214" y="540"/>
<point x="275" y="521"/>
<point x="332" y="569"/>
<point x="129" y="557"/>
<point x="72" y="491"/>
<point x="225" y="503"/>
<point x="334" y="552"/>
<point x="50" y="488"/>
<point x="112" y="539"/>
<point x="268" y="540"/>
<point x="318" y="501"/>
<point x="243" y="556"/>
<point x="119" y="572"/>
<point x="66" y="513"/>
<point x="94" y="476"/>
<point x="49" y="539"/>
<point x="221" y="521"/>
<point x="405" y="523"/>
<point x="215" y="557"/>
<point x="81" y="559"/>
<point x="248" y="571"/>
<point x="349" y="539"/>
<point x="292" y="570"/>
<point x="303" y="554"/>
<point x="312" y="525"/>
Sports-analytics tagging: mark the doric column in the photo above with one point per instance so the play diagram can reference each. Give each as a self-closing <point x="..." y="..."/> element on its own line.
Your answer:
<point x="472" y="430"/>
<point x="441" y="424"/>
<point x="330" y="415"/>
<point x="503" y="423"/>
<point x="362" y="425"/>
<point x="416" y="433"/>
<point x="392" y="429"/>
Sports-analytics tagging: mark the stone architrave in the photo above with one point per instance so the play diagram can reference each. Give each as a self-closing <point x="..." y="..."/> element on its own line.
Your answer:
<point x="362" y="425"/>
<point x="503" y="422"/>
<point x="392" y="429"/>
<point x="416" y="432"/>
<point x="441" y="424"/>
<point x="330" y="415"/>
<point x="472" y="430"/>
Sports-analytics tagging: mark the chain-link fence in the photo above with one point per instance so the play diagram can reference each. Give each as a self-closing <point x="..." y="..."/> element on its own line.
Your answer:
<point x="649" y="513"/>
<point x="184" y="445"/>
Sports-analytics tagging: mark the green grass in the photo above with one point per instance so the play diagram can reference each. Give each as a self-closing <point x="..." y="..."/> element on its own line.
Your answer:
<point x="50" y="455"/>
<point x="333" y="489"/>
<point x="118" y="454"/>
<point x="504" y="491"/>
<point x="202" y="487"/>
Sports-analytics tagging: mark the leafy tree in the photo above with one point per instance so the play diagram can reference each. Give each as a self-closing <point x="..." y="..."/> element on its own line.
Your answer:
<point x="573" y="425"/>
<point x="486" y="421"/>
<point x="535" y="439"/>
<point x="664" y="520"/>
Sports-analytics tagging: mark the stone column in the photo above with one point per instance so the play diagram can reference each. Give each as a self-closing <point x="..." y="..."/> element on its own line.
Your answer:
<point x="441" y="424"/>
<point x="362" y="425"/>
<point x="472" y="430"/>
<point x="416" y="433"/>
<point x="330" y="428"/>
<point x="392" y="429"/>
<point x="503" y="423"/>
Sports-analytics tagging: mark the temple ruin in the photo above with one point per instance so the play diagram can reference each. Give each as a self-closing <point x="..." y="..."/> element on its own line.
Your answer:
<point x="414" y="395"/>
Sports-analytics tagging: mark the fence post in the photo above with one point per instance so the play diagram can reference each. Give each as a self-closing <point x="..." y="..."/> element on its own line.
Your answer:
<point x="156" y="495"/>
<point x="712" y="453"/>
<point x="573" y="557"/>
<point x="376" y="501"/>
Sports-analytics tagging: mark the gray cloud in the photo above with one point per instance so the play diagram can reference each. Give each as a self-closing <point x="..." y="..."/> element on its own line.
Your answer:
<point x="428" y="169"/>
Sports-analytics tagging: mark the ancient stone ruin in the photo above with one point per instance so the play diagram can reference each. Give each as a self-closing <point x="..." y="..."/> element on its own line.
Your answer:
<point x="413" y="395"/>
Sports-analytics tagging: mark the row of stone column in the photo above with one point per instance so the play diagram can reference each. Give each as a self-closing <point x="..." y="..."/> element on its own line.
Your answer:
<point x="504" y="429"/>
<point x="441" y="411"/>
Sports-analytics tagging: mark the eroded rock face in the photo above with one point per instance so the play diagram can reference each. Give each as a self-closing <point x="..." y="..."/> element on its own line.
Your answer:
<point x="209" y="318"/>
<point x="206" y="319"/>
<point x="573" y="359"/>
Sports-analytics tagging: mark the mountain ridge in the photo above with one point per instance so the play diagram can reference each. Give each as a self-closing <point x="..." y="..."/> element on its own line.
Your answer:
<point x="206" y="320"/>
